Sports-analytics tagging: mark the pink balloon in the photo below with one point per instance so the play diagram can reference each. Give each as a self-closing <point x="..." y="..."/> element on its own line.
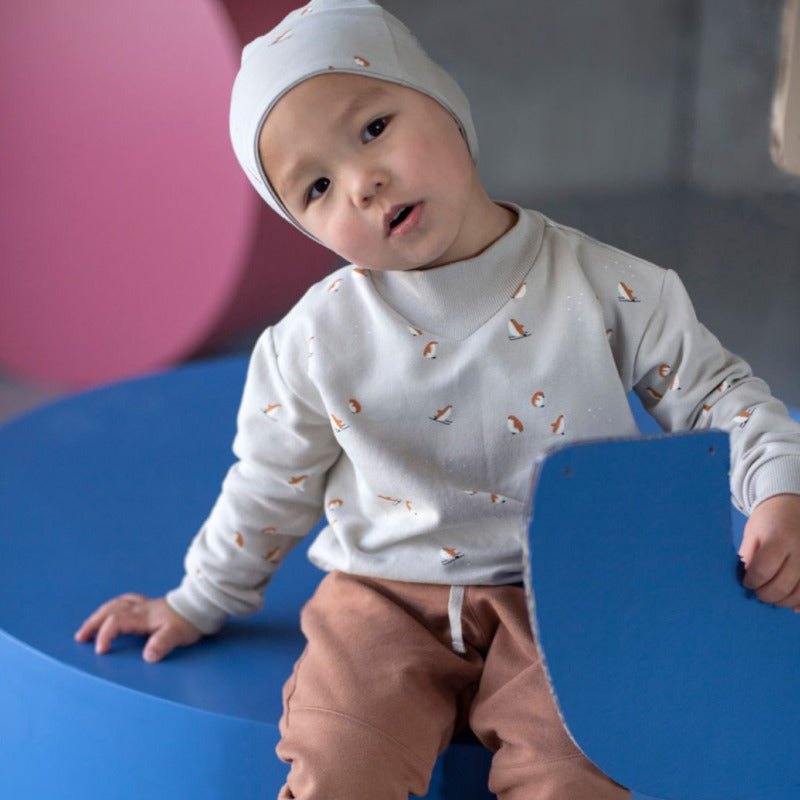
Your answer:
<point x="127" y="228"/>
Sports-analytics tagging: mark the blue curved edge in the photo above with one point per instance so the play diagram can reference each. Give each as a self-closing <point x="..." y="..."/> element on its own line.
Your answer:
<point x="100" y="493"/>
<point x="68" y="734"/>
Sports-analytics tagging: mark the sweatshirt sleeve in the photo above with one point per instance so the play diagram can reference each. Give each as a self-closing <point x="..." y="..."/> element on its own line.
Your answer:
<point x="687" y="380"/>
<point x="271" y="497"/>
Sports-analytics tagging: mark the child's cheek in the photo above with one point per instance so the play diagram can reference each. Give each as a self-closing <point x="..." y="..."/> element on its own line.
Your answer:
<point x="345" y="237"/>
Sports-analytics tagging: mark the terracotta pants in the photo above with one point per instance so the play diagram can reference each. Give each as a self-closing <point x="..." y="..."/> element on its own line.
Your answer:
<point x="382" y="687"/>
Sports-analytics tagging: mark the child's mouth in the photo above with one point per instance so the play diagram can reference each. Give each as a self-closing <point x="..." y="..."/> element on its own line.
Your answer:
<point x="401" y="215"/>
<point x="405" y="219"/>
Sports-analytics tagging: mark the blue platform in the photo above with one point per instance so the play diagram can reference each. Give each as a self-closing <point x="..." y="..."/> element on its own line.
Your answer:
<point x="100" y="494"/>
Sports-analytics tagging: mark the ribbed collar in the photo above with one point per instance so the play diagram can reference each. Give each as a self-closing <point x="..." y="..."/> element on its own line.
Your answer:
<point x="455" y="300"/>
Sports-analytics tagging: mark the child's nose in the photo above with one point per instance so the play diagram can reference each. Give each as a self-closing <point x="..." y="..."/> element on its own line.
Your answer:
<point x="367" y="185"/>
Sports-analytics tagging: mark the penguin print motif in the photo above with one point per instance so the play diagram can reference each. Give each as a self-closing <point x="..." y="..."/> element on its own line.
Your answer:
<point x="537" y="399"/>
<point x="559" y="426"/>
<point x="362" y="62"/>
<point x="665" y="371"/>
<point x="298" y="482"/>
<point x="430" y="350"/>
<point x="282" y="37"/>
<point x="338" y="424"/>
<point x="396" y="501"/>
<point x="514" y="425"/>
<point x="516" y="331"/>
<point x="354" y="405"/>
<point x="521" y="291"/>
<point x="625" y="294"/>
<point x="335" y="286"/>
<point x="449" y="555"/>
<point x="724" y="386"/>
<point x="331" y="507"/>
<point x="270" y="411"/>
<point x="494" y="498"/>
<point x="743" y="417"/>
<point x="414" y="331"/>
<point x="272" y="556"/>
<point x="443" y="416"/>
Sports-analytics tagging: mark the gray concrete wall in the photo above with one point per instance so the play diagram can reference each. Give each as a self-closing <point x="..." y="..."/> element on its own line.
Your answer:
<point x="646" y="124"/>
<point x="569" y="95"/>
<point x="593" y="95"/>
<point x="737" y="67"/>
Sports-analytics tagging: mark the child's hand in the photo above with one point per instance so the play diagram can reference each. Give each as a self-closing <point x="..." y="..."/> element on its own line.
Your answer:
<point x="135" y="613"/>
<point x="771" y="551"/>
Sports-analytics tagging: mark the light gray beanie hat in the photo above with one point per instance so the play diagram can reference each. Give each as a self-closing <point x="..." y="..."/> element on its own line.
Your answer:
<point x="350" y="36"/>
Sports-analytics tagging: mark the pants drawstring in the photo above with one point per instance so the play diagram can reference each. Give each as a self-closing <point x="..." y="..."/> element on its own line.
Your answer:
<point x="455" y="605"/>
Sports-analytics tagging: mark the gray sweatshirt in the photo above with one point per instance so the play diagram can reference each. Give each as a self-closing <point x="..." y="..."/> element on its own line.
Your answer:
<point x="409" y="408"/>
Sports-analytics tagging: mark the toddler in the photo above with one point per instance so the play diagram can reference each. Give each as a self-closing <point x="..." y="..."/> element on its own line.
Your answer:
<point x="407" y="396"/>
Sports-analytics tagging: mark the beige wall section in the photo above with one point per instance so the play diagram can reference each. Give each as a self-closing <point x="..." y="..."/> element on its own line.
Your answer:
<point x="785" y="143"/>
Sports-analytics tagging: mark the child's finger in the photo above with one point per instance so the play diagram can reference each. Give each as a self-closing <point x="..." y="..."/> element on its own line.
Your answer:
<point x="106" y="633"/>
<point x="85" y="632"/>
<point x="160" y="644"/>
<point x="792" y="600"/>
<point x="764" y="565"/>
<point x="132" y="597"/>
<point x="787" y="585"/>
<point x="748" y="549"/>
<point x="782" y="585"/>
<point x="92" y="623"/>
<point x="117" y="622"/>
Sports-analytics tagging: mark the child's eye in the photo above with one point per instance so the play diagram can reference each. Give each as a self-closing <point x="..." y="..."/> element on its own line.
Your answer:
<point x="375" y="129"/>
<point x="318" y="188"/>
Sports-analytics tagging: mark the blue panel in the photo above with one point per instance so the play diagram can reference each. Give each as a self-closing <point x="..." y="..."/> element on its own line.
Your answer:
<point x="101" y="494"/>
<point x="670" y="676"/>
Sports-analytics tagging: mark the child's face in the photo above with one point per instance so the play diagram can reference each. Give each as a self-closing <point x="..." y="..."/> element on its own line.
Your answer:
<point x="377" y="172"/>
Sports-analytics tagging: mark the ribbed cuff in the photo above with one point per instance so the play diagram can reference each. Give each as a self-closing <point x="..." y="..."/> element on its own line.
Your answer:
<point x="780" y="475"/>
<point x="192" y="604"/>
